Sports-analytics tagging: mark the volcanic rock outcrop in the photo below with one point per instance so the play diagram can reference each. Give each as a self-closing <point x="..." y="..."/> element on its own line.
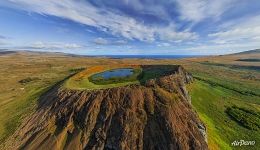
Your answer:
<point x="154" y="115"/>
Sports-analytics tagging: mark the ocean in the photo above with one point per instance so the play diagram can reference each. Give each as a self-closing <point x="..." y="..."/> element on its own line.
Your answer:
<point x="149" y="56"/>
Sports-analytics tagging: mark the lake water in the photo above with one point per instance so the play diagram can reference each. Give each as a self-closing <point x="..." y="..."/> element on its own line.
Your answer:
<point x="124" y="72"/>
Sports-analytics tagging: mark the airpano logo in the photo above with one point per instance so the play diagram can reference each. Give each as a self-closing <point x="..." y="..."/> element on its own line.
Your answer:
<point x="243" y="143"/>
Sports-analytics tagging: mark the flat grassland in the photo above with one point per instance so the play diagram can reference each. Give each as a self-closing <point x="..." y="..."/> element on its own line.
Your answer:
<point x="221" y="82"/>
<point x="220" y="86"/>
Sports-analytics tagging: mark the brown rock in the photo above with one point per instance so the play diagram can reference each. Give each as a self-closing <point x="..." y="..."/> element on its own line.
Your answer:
<point x="156" y="115"/>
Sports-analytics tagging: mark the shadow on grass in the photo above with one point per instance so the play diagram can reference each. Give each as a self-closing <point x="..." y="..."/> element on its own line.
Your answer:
<point x="244" y="117"/>
<point x="156" y="71"/>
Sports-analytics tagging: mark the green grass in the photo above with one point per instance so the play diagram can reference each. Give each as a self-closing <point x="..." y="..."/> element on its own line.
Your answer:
<point x="235" y="86"/>
<point x="14" y="112"/>
<point x="211" y="103"/>
<point x="247" y="118"/>
<point x="233" y="79"/>
<point x="23" y="79"/>
<point x="220" y="87"/>
<point x="139" y="77"/>
<point x="155" y="72"/>
<point x="231" y="66"/>
<point x="28" y="79"/>
<point x="85" y="84"/>
<point x="75" y="70"/>
<point x="249" y="60"/>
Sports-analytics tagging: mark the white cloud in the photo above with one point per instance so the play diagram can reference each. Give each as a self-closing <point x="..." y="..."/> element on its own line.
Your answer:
<point x="243" y="33"/>
<point x="168" y="34"/>
<point x="72" y="46"/>
<point x="120" y="42"/>
<point x="239" y="31"/>
<point x="225" y="48"/>
<point x="2" y="37"/>
<point x="163" y="44"/>
<point x="197" y="10"/>
<point x="234" y="36"/>
<point x="110" y="41"/>
<point x="57" y="45"/>
<point x="101" y="41"/>
<point x="106" y="21"/>
<point x="256" y="38"/>
<point x="3" y="40"/>
<point x="3" y="43"/>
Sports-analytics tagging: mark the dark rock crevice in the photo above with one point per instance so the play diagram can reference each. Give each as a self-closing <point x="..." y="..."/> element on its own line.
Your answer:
<point x="156" y="115"/>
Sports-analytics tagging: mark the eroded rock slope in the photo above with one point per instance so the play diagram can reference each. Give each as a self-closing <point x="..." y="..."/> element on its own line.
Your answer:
<point x="155" y="115"/>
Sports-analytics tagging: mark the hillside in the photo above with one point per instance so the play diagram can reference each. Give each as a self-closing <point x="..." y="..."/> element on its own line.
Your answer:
<point x="154" y="115"/>
<point x="220" y="83"/>
<point x="256" y="51"/>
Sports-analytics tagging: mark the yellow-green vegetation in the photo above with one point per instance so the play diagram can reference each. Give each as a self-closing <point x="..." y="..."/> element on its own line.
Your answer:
<point x="221" y="82"/>
<point x="83" y="80"/>
<point x="85" y="84"/>
<point x="91" y="78"/>
<point x="155" y="72"/>
<point x="23" y="78"/>
<point x="166" y="98"/>
<point x="247" y="118"/>
<point x="211" y="103"/>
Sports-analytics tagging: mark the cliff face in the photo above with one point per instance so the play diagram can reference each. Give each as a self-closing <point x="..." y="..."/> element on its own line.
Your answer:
<point x="156" y="115"/>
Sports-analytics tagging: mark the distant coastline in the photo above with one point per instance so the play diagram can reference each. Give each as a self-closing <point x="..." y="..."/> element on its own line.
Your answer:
<point x="149" y="56"/>
<point x="7" y="51"/>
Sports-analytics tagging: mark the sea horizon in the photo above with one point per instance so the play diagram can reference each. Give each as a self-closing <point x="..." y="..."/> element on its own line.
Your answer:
<point x="147" y="56"/>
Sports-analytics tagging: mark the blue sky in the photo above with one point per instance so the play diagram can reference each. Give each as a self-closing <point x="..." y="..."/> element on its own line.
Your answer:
<point x="131" y="27"/>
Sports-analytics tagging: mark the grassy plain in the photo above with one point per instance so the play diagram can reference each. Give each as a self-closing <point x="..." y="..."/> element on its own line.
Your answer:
<point x="211" y="102"/>
<point x="220" y="82"/>
<point x="219" y="87"/>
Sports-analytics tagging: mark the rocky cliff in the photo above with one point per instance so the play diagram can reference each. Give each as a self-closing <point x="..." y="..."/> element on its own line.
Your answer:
<point x="154" y="115"/>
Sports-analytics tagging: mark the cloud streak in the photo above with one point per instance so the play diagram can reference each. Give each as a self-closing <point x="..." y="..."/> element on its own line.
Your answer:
<point x="2" y="37"/>
<point x="240" y="31"/>
<point x="54" y="45"/>
<point x="3" y="40"/>
<point x="147" y="25"/>
<point x="197" y="10"/>
<point x="103" y="41"/>
<point x="104" y="20"/>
